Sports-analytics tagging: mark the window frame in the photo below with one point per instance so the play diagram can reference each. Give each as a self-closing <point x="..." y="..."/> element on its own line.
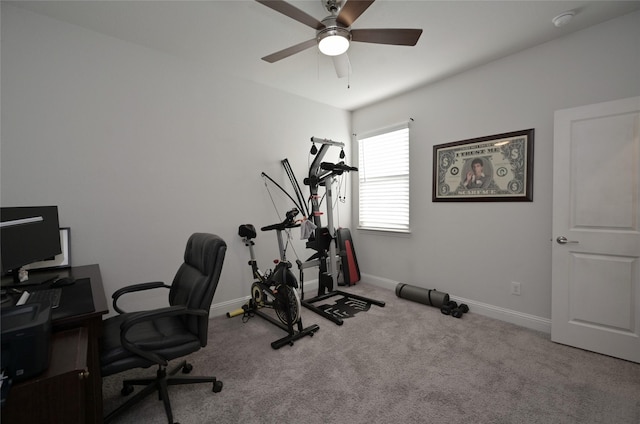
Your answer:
<point x="388" y="226"/>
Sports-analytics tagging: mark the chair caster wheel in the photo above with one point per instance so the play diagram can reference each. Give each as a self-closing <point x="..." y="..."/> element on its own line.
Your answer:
<point x="126" y="390"/>
<point x="217" y="386"/>
<point x="187" y="368"/>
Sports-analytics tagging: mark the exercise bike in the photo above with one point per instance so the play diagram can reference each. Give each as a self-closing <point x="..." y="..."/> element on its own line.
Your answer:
<point x="276" y="289"/>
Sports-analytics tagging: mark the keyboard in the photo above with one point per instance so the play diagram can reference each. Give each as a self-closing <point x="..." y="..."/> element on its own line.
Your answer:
<point x="51" y="296"/>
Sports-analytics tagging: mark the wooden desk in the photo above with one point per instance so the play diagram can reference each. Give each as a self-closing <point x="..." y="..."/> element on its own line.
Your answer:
<point x="59" y="394"/>
<point x="92" y="323"/>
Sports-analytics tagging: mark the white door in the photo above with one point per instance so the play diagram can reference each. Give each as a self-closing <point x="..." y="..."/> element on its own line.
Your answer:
<point x="596" y="228"/>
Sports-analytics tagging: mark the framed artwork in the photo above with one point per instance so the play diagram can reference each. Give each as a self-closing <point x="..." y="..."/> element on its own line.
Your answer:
<point x="62" y="260"/>
<point x="486" y="169"/>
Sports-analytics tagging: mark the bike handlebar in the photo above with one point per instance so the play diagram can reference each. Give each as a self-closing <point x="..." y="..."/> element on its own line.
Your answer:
<point x="287" y="223"/>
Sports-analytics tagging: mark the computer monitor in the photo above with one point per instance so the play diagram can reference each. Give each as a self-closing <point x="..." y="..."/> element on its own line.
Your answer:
<point x="27" y="235"/>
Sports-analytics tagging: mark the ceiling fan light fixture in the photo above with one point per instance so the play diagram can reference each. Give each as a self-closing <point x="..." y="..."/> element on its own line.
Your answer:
<point x="333" y="41"/>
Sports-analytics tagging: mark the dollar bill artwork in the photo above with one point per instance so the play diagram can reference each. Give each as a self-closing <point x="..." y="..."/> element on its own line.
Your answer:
<point x="497" y="167"/>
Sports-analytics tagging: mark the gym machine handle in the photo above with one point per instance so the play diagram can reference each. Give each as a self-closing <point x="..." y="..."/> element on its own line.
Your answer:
<point x="340" y="166"/>
<point x="326" y="141"/>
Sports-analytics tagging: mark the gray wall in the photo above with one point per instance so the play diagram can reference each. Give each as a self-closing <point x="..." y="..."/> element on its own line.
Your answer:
<point x="139" y="149"/>
<point x="475" y="250"/>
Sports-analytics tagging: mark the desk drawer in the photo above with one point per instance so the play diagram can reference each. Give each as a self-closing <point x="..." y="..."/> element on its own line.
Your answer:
<point x="57" y="395"/>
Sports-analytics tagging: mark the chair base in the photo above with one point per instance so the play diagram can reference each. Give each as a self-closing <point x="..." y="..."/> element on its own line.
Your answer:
<point x="160" y="384"/>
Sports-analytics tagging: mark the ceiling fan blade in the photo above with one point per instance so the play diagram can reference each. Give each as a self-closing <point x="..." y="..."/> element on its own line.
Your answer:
<point x="351" y="10"/>
<point x="395" y="36"/>
<point x="289" y="51"/>
<point x="292" y="12"/>
<point x="342" y="65"/>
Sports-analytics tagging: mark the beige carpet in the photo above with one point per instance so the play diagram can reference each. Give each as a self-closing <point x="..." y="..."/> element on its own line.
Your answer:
<point x="402" y="363"/>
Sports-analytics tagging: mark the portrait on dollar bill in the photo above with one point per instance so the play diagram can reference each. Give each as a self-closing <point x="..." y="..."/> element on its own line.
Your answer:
<point x="492" y="168"/>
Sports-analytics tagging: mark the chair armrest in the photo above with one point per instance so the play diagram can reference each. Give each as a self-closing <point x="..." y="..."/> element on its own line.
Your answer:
<point x="135" y="288"/>
<point x="139" y="317"/>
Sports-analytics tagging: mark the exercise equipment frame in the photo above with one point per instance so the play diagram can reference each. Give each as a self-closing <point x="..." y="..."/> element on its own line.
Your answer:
<point x="276" y="289"/>
<point x="320" y="174"/>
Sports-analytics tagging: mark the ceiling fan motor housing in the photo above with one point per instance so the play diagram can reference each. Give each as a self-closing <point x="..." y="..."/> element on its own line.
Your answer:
<point x="331" y="25"/>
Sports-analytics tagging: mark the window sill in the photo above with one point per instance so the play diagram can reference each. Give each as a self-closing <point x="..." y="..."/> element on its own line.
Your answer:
<point x="385" y="231"/>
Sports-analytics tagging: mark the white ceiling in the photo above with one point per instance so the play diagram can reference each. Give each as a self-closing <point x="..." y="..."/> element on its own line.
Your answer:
<point x="232" y="36"/>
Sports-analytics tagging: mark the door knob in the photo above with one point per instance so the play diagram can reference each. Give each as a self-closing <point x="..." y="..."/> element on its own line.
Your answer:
<point x="563" y="240"/>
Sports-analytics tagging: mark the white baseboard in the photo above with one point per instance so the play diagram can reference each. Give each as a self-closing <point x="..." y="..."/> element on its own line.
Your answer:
<point x="508" y="315"/>
<point x="223" y="308"/>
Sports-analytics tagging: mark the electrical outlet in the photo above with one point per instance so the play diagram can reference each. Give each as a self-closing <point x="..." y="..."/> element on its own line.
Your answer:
<point x="515" y="288"/>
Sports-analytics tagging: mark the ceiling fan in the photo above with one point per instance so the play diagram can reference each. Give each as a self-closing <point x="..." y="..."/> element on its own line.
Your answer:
<point x="334" y="33"/>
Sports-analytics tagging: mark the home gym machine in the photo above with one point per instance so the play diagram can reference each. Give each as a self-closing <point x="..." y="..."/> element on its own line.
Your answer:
<point x="325" y="257"/>
<point x="275" y="289"/>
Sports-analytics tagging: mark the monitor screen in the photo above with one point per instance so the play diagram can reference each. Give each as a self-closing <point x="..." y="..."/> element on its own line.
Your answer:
<point x="27" y="235"/>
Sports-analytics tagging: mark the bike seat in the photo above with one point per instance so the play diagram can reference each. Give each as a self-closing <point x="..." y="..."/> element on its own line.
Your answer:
<point x="247" y="231"/>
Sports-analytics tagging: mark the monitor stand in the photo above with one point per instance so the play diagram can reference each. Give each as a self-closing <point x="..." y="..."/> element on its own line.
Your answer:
<point x="35" y="279"/>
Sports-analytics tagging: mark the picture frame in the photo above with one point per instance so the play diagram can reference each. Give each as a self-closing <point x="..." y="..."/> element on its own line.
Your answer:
<point x="63" y="260"/>
<point x="495" y="168"/>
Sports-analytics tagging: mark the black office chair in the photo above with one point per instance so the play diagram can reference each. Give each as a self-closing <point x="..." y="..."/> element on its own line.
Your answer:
<point x="142" y="339"/>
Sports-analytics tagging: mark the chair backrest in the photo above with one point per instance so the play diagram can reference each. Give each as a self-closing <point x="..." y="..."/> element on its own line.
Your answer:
<point x="197" y="278"/>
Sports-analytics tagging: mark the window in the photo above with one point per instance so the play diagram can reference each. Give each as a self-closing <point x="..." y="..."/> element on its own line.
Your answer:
<point x="383" y="171"/>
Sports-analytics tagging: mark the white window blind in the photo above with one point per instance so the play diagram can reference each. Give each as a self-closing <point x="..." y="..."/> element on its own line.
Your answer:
<point x="383" y="171"/>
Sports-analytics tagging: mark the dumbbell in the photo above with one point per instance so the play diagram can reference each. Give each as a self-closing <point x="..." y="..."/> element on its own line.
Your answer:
<point x="448" y="307"/>
<point x="452" y="308"/>
<point x="461" y="309"/>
